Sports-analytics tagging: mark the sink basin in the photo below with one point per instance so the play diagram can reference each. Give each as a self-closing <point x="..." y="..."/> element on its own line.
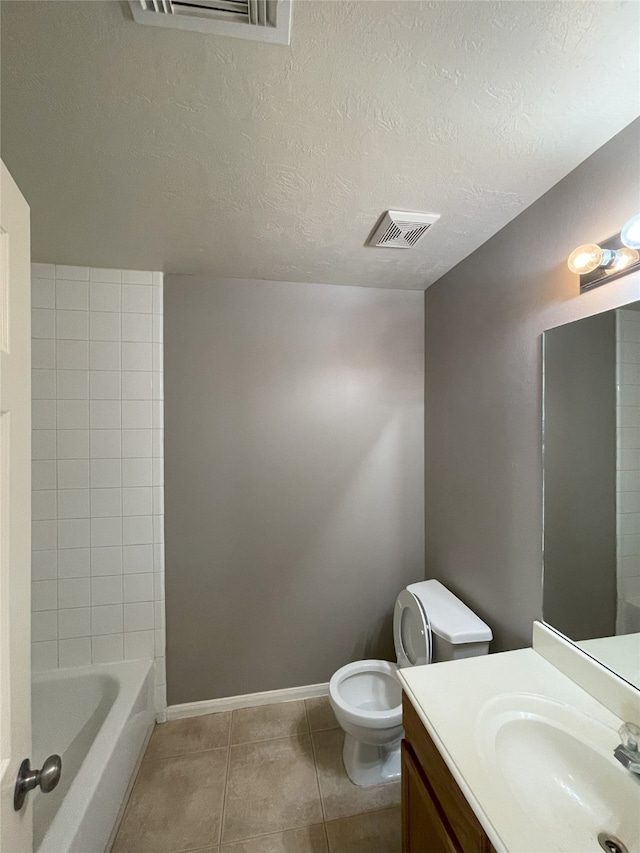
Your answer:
<point x="557" y="766"/>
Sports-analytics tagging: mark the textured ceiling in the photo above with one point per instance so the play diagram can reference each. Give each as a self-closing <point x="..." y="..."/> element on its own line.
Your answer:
<point x="144" y="147"/>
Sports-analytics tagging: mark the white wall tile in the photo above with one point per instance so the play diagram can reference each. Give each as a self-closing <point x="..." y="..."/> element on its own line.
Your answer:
<point x="106" y="589"/>
<point x="139" y="644"/>
<point x="137" y="501"/>
<point x="136" y="298"/>
<point x="73" y="473"/>
<point x="106" y="473"/>
<point x="43" y="293"/>
<point x="72" y="325"/>
<point x="73" y="414"/>
<point x="157" y="359"/>
<point x="70" y="272"/>
<point x="44" y="565"/>
<point x="102" y="274"/>
<point x="158" y="529"/>
<point x="74" y="562"/>
<point x="43" y="414"/>
<point x="106" y="532"/>
<point x="137" y="443"/>
<point x="44" y="656"/>
<point x="74" y="592"/>
<point x="105" y="414"/>
<point x="73" y="443"/>
<point x="137" y="558"/>
<point x="104" y="355"/>
<point x="44" y="535"/>
<point x="104" y="325"/>
<point x="72" y="384"/>
<point x="75" y="622"/>
<point x="44" y="595"/>
<point x="104" y="384"/>
<point x="137" y="472"/>
<point x="157" y="306"/>
<point x="136" y="414"/>
<point x="106" y="503"/>
<point x="73" y="533"/>
<point x="139" y="616"/>
<point x="137" y="385"/>
<point x="107" y="648"/>
<point x="105" y="443"/>
<point x="43" y="323"/>
<point x="135" y="327"/>
<point x="74" y="652"/>
<point x="72" y="355"/>
<point x="137" y="530"/>
<point x="43" y="271"/>
<point x="107" y="619"/>
<point x="44" y="505"/>
<point x="43" y="353"/>
<point x="157" y="330"/>
<point x="73" y="503"/>
<point x="106" y="561"/>
<point x="137" y="277"/>
<point x="72" y="295"/>
<point x="44" y="625"/>
<point x="136" y="356"/>
<point x="43" y="444"/>
<point x="104" y="297"/>
<point x="138" y="587"/>
<point x="43" y="384"/>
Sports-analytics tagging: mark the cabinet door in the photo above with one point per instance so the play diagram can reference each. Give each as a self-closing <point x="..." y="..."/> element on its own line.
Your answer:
<point x="424" y="828"/>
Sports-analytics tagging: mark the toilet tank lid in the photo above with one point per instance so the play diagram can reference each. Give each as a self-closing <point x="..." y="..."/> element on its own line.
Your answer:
<point x="449" y="617"/>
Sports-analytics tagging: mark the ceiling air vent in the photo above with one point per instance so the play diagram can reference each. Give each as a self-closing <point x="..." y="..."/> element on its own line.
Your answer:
<point x="260" y="20"/>
<point x="399" y="229"/>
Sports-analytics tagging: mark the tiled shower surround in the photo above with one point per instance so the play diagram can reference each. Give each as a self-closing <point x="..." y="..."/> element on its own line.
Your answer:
<point x="98" y="515"/>
<point x="628" y="473"/>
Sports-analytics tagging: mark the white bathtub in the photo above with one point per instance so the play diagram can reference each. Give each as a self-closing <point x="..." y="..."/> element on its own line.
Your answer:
<point x="98" y="719"/>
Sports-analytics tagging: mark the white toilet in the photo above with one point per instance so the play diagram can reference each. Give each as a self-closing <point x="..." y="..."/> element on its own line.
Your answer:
<point x="429" y="624"/>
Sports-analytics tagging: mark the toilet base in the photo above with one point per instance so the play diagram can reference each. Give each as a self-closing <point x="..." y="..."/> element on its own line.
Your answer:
<point x="369" y="765"/>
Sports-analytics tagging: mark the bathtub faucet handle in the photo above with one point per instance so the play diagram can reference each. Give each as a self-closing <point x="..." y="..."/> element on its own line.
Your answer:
<point x="29" y="779"/>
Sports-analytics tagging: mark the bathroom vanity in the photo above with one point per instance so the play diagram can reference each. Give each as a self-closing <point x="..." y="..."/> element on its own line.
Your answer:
<point x="514" y="752"/>
<point x="435" y="813"/>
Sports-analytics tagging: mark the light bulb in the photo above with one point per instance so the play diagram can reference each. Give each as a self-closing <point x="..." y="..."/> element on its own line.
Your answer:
<point x="586" y="258"/>
<point x="623" y="258"/>
<point x="630" y="234"/>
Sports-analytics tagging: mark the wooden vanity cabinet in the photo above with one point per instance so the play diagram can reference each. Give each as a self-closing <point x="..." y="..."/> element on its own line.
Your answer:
<point x="436" y="817"/>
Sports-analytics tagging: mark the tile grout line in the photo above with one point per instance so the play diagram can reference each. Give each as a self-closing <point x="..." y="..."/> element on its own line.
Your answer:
<point x="226" y="782"/>
<point x="315" y="767"/>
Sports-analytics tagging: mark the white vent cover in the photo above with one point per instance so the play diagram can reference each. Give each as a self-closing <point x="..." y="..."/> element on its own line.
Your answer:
<point x="399" y="229"/>
<point x="260" y="20"/>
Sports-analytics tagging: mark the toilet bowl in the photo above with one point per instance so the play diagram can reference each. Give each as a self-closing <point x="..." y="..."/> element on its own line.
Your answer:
<point x="366" y="696"/>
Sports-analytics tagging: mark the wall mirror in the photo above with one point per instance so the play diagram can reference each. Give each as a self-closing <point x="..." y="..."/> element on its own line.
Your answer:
<point x="591" y="473"/>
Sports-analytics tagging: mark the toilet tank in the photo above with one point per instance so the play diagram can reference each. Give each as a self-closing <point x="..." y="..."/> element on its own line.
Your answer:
<point x="456" y="631"/>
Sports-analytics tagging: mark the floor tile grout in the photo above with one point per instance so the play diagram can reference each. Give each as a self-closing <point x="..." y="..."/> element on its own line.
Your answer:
<point x="226" y="782"/>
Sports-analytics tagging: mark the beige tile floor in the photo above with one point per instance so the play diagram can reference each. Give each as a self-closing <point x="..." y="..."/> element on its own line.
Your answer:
<point x="259" y="780"/>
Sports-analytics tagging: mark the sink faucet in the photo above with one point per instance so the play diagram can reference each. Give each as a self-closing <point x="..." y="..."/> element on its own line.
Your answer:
<point x="628" y="752"/>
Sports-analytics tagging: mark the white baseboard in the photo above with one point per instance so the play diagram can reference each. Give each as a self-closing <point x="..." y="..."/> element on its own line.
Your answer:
<point x="248" y="700"/>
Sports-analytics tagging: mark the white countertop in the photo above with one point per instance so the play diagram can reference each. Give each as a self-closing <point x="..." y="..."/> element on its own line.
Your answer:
<point x="451" y="698"/>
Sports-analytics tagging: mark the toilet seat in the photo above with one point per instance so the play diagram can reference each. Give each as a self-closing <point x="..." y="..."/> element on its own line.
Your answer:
<point x="375" y="682"/>
<point x="411" y="631"/>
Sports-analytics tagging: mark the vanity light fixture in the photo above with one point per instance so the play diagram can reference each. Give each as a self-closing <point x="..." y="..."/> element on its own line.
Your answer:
<point x="596" y="264"/>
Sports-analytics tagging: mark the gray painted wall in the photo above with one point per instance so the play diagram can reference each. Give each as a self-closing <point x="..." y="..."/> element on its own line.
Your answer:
<point x="580" y="477"/>
<point x="294" y="479"/>
<point x="483" y="325"/>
